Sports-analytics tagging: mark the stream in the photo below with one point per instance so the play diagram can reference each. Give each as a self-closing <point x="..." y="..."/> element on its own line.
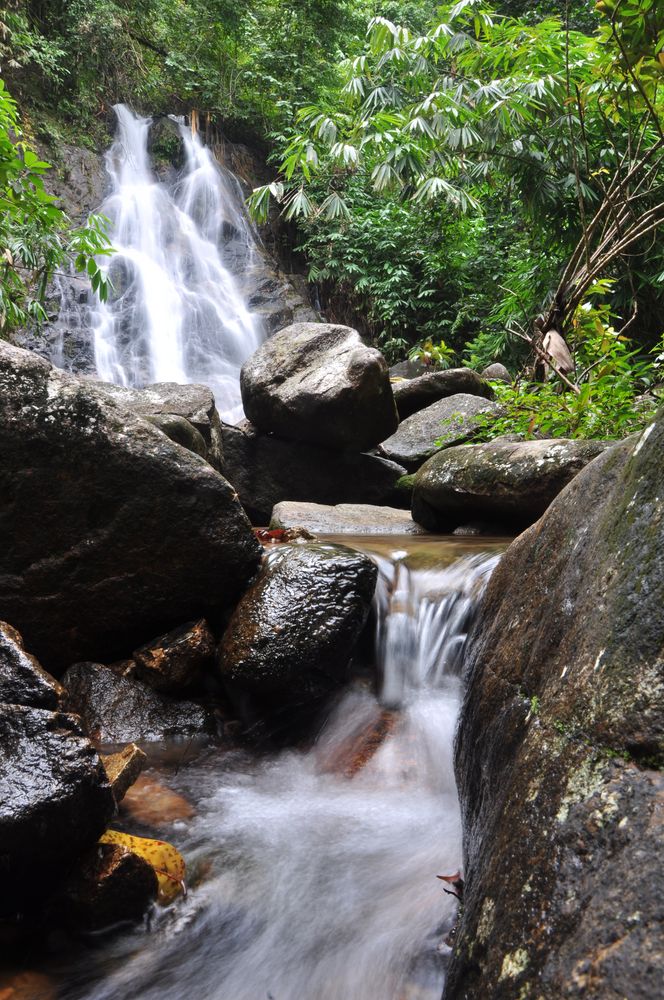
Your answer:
<point x="312" y="872"/>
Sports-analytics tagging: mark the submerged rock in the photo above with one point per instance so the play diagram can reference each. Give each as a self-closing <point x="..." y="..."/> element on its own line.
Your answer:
<point x="115" y="708"/>
<point x="342" y="518"/>
<point x="23" y="680"/>
<point x="291" y="637"/>
<point x="505" y="483"/>
<point x="561" y="727"/>
<point x="266" y="470"/>
<point x="451" y="421"/>
<point x="319" y="383"/>
<point x="413" y="394"/>
<point x="109" y="532"/>
<point x="175" y="661"/>
<point x="55" y="801"/>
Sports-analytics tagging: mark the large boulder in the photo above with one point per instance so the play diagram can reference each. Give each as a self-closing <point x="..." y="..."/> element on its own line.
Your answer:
<point x="291" y="636"/>
<point x="344" y="518"/>
<point x="110" y="533"/>
<point x="319" y="383"/>
<point x="561" y="744"/>
<point x="449" y="421"/>
<point x="413" y="394"/>
<point x="55" y="801"/>
<point x="266" y="470"/>
<point x="506" y="483"/>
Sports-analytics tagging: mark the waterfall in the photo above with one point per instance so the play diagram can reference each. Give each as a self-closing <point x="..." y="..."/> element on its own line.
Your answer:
<point x="320" y="877"/>
<point x="176" y="312"/>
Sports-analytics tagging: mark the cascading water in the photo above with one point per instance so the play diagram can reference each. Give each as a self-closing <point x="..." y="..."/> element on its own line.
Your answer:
<point x="176" y="312"/>
<point x="320" y="866"/>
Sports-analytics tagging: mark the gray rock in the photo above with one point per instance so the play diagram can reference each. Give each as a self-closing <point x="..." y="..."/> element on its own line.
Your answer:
<point x="409" y="369"/>
<point x="266" y="470"/>
<point x="109" y="532"/>
<point x="451" y="421"/>
<point x="23" y="680"/>
<point x="116" y="708"/>
<point x="505" y="483"/>
<point x="319" y="383"/>
<point x="413" y="394"/>
<point x="565" y="672"/>
<point x="55" y="801"/>
<point x="175" y="661"/>
<point x="291" y="636"/>
<point x="352" y="518"/>
<point x="497" y="372"/>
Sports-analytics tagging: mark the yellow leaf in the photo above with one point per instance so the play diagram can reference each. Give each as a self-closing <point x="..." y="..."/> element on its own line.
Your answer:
<point x="167" y="862"/>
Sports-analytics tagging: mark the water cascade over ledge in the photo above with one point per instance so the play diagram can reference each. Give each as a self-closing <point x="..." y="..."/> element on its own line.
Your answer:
<point x="313" y="872"/>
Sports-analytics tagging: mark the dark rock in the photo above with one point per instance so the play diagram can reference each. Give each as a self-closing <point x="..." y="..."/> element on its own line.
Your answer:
<point x="353" y="518"/>
<point x="451" y="421"/>
<point x="291" y="636"/>
<point x="176" y="660"/>
<point x="505" y="483"/>
<point x="111" y="886"/>
<point x="413" y="394"/>
<point x="410" y="369"/>
<point x="123" y="768"/>
<point x="186" y="414"/>
<point x="55" y="801"/>
<point x="266" y="470"/>
<point x="563" y="893"/>
<point x="319" y="383"/>
<point x="117" y="709"/>
<point x="23" y="681"/>
<point x="497" y="372"/>
<point x="110" y="532"/>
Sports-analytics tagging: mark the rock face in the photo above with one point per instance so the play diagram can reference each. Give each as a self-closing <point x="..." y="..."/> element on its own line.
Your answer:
<point x="319" y="383"/>
<point x="413" y="394"/>
<point x="351" y="518"/>
<point x="109" y="532"/>
<point x="55" y="801"/>
<point x="176" y="660"/>
<point x="115" y="708"/>
<point x="452" y="420"/>
<point x="266" y="470"/>
<point x="506" y="483"/>
<point x="23" y="680"/>
<point x="565" y="677"/>
<point x="292" y="634"/>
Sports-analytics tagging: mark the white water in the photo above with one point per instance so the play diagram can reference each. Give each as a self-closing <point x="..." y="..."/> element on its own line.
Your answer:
<point x="176" y="313"/>
<point x="321" y="886"/>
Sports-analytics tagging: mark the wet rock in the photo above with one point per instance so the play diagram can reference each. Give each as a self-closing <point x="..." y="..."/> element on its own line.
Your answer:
<point x="109" y="532"/>
<point x="186" y="414"/>
<point x="508" y="484"/>
<point x="266" y="470"/>
<point x="319" y="383"/>
<point x="123" y="769"/>
<point x="563" y="894"/>
<point x="55" y="801"/>
<point x="115" y="708"/>
<point x="451" y="421"/>
<point x="23" y="681"/>
<point x="27" y="986"/>
<point x="353" y="518"/>
<point x="291" y="636"/>
<point x="150" y="802"/>
<point x="414" y="394"/>
<point x="110" y="886"/>
<point x="497" y="372"/>
<point x="174" y="661"/>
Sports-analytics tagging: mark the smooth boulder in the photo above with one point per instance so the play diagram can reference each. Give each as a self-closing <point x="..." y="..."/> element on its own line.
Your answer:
<point x="561" y="744"/>
<point x="497" y="372"/>
<point x="291" y="636"/>
<point x="319" y="383"/>
<point x="266" y="470"/>
<point x="413" y="394"/>
<point x="506" y="483"/>
<point x="448" y="422"/>
<point x="344" y="518"/>
<point x="110" y="533"/>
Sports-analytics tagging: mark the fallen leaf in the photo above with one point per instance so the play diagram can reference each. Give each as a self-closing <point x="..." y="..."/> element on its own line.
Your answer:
<point x="167" y="862"/>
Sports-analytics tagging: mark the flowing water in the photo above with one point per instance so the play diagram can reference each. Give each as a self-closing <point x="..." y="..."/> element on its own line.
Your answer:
<point x="313" y="872"/>
<point x="176" y="312"/>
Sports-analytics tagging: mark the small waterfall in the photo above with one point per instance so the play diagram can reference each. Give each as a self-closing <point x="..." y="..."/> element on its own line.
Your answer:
<point x="176" y="312"/>
<point x="320" y="879"/>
